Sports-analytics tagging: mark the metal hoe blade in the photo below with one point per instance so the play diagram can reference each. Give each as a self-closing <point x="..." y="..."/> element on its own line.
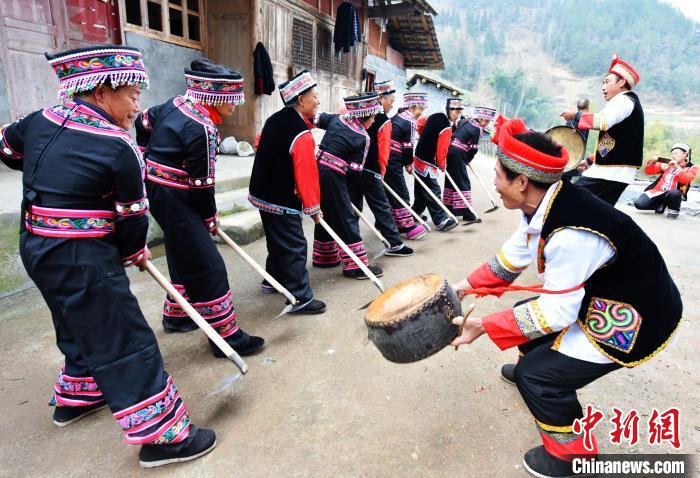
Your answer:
<point x="287" y="309"/>
<point x="491" y="210"/>
<point x="380" y="254"/>
<point x="224" y="384"/>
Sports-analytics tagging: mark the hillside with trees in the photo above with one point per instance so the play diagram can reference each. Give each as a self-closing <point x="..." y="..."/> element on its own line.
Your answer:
<point x="532" y="58"/>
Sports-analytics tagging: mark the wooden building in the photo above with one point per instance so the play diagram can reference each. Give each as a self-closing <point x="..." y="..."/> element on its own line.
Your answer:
<point x="298" y="34"/>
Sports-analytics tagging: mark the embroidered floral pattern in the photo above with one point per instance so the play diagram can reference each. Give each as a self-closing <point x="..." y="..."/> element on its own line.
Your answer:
<point x="326" y="253"/>
<point x="526" y="322"/>
<point x="51" y="222"/>
<point x="359" y="250"/>
<point x="143" y="423"/>
<point x="70" y="391"/>
<point x="132" y="209"/>
<point x="501" y="271"/>
<point x="166" y="175"/>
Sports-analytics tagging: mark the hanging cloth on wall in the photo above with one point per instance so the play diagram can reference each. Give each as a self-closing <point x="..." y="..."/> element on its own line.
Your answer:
<point x="262" y="71"/>
<point x="347" y="28"/>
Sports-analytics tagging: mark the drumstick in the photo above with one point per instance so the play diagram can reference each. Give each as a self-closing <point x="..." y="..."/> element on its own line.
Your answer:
<point x="470" y="309"/>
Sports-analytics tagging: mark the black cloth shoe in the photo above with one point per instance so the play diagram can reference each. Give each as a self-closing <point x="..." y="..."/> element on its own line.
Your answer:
<point x="660" y="209"/>
<point x="469" y="216"/>
<point x="241" y="342"/>
<point x="508" y="373"/>
<point x="64" y="416"/>
<point x="200" y="442"/>
<point x="539" y="463"/>
<point x="447" y="224"/>
<point x="402" y="250"/>
<point x="178" y="325"/>
<point x="312" y="307"/>
<point x="358" y="274"/>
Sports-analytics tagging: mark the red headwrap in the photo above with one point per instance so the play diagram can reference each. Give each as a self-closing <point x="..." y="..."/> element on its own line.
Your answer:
<point x="624" y="70"/>
<point x="523" y="159"/>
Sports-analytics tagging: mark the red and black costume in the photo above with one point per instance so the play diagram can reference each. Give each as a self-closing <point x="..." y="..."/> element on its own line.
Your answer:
<point x="595" y="314"/>
<point x="84" y="220"/>
<point x="371" y="183"/>
<point x="670" y="188"/>
<point x="283" y="186"/>
<point x="404" y="133"/>
<point x="463" y="147"/>
<point x="341" y="160"/>
<point x="431" y="155"/>
<point x="180" y="139"/>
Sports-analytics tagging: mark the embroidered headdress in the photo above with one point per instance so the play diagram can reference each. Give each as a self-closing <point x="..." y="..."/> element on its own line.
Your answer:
<point x="211" y="84"/>
<point x="624" y="70"/>
<point x="415" y="99"/>
<point x="455" y="104"/>
<point x="85" y="68"/>
<point x="484" y="112"/>
<point x="384" y="87"/>
<point x="361" y="106"/>
<point x="291" y="89"/>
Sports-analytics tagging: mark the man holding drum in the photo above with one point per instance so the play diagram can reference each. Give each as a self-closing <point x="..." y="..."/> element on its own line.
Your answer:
<point x="595" y="314"/>
<point x="621" y="139"/>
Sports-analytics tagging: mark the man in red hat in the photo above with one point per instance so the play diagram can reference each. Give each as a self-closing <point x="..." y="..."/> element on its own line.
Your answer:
<point x="594" y="314"/>
<point x="621" y="139"/>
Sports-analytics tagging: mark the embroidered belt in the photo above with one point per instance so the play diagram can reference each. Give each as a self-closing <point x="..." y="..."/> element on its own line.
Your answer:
<point x="70" y="223"/>
<point x="463" y="146"/>
<point x="167" y="176"/>
<point x="334" y="162"/>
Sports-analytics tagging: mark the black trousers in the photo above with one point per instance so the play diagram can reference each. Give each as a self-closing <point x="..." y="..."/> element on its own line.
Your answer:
<point x="196" y="267"/>
<point x="372" y="189"/>
<point x="286" y="253"/>
<point x="111" y="353"/>
<point x="457" y="169"/>
<point x="548" y="380"/>
<point x="394" y="178"/>
<point x="423" y="200"/>
<point x="608" y="191"/>
<point x="337" y="212"/>
<point x="670" y="199"/>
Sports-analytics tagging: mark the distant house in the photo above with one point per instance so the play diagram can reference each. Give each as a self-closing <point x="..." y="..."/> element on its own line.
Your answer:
<point x="438" y="89"/>
<point x="298" y="34"/>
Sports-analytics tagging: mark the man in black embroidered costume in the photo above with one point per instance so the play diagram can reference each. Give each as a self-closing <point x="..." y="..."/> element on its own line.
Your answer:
<point x="463" y="147"/>
<point x="595" y="313"/>
<point x="180" y="139"/>
<point x="284" y="184"/>
<point x="404" y="134"/>
<point x="371" y="183"/>
<point x="430" y="155"/>
<point x="341" y="159"/>
<point x="84" y="212"/>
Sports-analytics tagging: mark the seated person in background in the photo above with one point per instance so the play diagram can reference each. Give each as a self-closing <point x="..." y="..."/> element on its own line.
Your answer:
<point x="669" y="189"/>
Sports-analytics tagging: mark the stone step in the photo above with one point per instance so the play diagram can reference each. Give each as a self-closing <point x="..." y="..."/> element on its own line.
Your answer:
<point x="243" y="227"/>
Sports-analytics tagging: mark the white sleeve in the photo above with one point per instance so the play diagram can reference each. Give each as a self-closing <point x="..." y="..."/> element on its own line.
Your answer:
<point x="571" y="257"/>
<point x="617" y="109"/>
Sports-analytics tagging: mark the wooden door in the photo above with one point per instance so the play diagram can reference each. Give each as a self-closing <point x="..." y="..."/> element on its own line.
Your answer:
<point x="27" y="30"/>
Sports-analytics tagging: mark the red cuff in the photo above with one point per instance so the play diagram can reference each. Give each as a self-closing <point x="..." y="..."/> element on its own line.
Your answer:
<point x="485" y="277"/>
<point x="211" y="223"/>
<point x="586" y="121"/>
<point x="134" y="258"/>
<point x="443" y="145"/>
<point x="503" y="330"/>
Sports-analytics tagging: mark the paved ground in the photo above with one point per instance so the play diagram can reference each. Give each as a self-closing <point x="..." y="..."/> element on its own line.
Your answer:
<point x="319" y="401"/>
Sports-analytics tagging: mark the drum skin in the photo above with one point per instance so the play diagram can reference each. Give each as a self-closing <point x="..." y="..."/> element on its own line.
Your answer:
<point x="405" y="334"/>
<point x="572" y="140"/>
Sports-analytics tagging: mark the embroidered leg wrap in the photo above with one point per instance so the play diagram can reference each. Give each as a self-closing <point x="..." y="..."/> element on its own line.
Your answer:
<point x="171" y="309"/>
<point x="159" y="420"/>
<point x="403" y="219"/>
<point x="326" y="253"/>
<point x="72" y="391"/>
<point x="220" y="314"/>
<point x="359" y="249"/>
<point x="563" y="443"/>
